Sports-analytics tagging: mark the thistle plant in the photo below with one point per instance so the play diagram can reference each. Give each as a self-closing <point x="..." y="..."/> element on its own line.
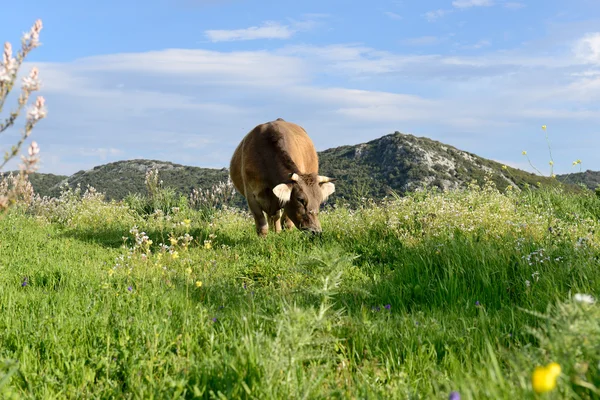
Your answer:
<point x="9" y="67"/>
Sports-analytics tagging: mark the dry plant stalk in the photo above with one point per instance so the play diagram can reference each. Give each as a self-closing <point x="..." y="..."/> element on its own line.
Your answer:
<point x="17" y="188"/>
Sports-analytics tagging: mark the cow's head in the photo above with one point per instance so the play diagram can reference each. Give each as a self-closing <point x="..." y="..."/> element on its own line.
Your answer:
<point x="302" y="196"/>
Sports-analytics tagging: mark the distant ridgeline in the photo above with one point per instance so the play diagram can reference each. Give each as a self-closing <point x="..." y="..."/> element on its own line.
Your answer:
<point x="399" y="162"/>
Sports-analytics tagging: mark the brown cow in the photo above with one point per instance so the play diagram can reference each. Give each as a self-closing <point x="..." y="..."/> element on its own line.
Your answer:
<point x="276" y="166"/>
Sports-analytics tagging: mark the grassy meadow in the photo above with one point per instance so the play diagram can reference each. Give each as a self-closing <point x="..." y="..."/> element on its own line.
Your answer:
<point x="410" y="298"/>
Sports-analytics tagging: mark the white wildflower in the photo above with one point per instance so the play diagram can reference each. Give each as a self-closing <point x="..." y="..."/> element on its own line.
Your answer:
<point x="584" y="298"/>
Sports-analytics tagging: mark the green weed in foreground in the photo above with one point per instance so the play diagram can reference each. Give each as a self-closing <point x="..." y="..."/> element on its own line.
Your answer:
<point x="414" y="298"/>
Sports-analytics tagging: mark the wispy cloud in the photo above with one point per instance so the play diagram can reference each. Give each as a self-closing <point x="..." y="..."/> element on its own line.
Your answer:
<point x="472" y="3"/>
<point x="268" y="30"/>
<point x="478" y="45"/>
<point x="193" y="106"/>
<point x="421" y="41"/>
<point x="433" y="16"/>
<point x="513" y="5"/>
<point x="587" y="49"/>
<point x="393" y="15"/>
<point x="100" y="152"/>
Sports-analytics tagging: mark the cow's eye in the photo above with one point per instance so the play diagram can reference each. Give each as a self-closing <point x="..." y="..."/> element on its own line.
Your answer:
<point x="302" y="200"/>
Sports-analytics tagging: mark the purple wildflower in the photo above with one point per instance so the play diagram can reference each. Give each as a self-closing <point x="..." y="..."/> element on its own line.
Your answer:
<point x="477" y="304"/>
<point x="130" y="288"/>
<point x="454" y="396"/>
<point x="388" y="306"/>
<point x="25" y="282"/>
<point x="245" y="286"/>
<point x="214" y="319"/>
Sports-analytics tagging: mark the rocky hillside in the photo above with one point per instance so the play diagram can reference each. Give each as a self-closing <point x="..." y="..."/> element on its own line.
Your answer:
<point x="396" y="161"/>
<point x="405" y="162"/>
<point x="591" y="179"/>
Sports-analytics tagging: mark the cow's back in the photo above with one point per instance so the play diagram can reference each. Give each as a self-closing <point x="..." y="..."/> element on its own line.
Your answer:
<point x="269" y="153"/>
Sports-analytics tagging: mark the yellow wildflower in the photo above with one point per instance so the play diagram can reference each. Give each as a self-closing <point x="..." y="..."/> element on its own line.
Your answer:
<point x="149" y="242"/>
<point x="524" y="153"/>
<point x="173" y="241"/>
<point x="543" y="379"/>
<point x="110" y="272"/>
<point x="187" y="222"/>
<point x="198" y="284"/>
<point x="551" y="162"/>
<point x="188" y="271"/>
<point x="207" y="244"/>
<point x="544" y="127"/>
<point x="504" y="167"/>
<point x="175" y="255"/>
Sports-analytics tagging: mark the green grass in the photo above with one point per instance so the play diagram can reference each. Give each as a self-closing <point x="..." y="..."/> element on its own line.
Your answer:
<point x="413" y="298"/>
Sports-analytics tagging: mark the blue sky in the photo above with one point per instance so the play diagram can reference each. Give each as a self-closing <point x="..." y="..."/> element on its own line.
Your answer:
<point x="185" y="80"/>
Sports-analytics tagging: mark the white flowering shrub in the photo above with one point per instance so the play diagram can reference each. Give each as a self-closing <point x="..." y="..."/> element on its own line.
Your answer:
<point x="11" y="191"/>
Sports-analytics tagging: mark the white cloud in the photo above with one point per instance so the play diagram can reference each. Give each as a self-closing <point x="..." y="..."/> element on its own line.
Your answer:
<point x="100" y="152"/>
<point x="268" y="30"/>
<point x="472" y="3"/>
<point x="193" y="106"/>
<point x="433" y="16"/>
<point x="421" y="41"/>
<point x="478" y="45"/>
<point x="587" y="48"/>
<point x="393" y="15"/>
<point x="513" y="5"/>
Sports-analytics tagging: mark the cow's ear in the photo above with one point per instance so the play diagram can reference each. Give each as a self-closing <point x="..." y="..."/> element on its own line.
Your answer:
<point x="283" y="191"/>
<point x="327" y="189"/>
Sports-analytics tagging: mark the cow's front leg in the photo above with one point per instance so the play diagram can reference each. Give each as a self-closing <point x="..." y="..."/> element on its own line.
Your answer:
<point x="275" y="222"/>
<point x="262" y="227"/>
<point x="287" y="222"/>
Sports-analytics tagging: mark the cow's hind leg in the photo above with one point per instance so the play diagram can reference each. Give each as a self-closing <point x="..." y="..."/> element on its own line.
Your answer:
<point x="259" y="217"/>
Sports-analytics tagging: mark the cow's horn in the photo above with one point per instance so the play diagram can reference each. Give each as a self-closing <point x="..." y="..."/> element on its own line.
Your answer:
<point x="325" y="179"/>
<point x="294" y="176"/>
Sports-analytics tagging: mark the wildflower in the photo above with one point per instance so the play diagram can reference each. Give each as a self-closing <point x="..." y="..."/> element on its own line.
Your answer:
<point x="187" y="222"/>
<point x="32" y="82"/>
<point x="207" y="244"/>
<point x="198" y="284"/>
<point x="25" y="282"/>
<point x="38" y="111"/>
<point x="584" y="298"/>
<point x="544" y="127"/>
<point x="388" y="306"/>
<point x="173" y="241"/>
<point x="477" y="304"/>
<point x="130" y="288"/>
<point x="543" y="379"/>
<point x="524" y="153"/>
<point x="504" y="167"/>
<point x="214" y="319"/>
<point x="175" y="255"/>
<point x="551" y="162"/>
<point x="454" y="396"/>
<point x="188" y="271"/>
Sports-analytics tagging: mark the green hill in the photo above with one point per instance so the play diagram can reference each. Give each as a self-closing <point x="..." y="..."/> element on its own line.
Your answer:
<point x="397" y="161"/>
